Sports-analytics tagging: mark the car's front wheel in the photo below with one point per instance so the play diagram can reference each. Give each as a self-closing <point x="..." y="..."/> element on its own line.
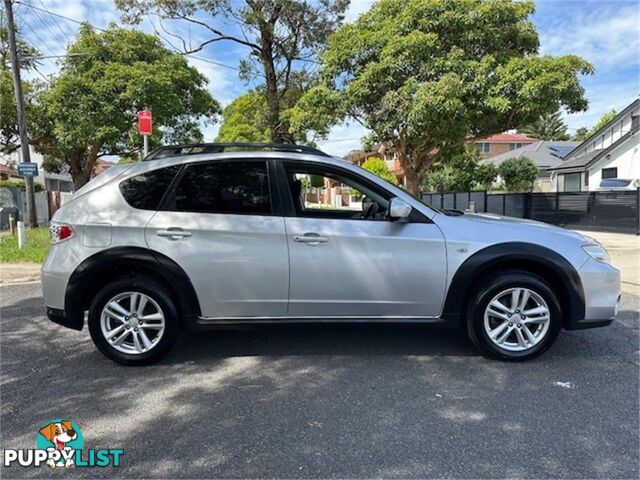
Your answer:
<point x="133" y="321"/>
<point x="515" y="316"/>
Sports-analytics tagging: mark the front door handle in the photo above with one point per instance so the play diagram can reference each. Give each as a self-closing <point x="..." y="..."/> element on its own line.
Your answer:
<point x="310" y="239"/>
<point x="174" y="233"/>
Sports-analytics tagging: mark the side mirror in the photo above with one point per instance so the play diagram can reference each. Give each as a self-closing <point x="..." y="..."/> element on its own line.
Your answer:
<point x="398" y="208"/>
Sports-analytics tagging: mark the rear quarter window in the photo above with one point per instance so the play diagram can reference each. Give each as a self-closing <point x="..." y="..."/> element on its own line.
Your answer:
<point x="145" y="191"/>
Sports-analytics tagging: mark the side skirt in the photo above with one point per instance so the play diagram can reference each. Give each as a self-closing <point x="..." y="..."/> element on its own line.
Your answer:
<point x="202" y="323"/>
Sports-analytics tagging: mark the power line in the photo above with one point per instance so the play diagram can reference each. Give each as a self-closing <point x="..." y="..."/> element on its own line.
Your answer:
<point x="213" y="62"/>
<point x="59" y="15"/>
<point x="55" y="21"/>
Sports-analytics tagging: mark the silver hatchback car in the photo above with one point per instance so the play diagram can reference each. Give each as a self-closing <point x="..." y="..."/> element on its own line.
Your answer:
<point x="199" y="236"/>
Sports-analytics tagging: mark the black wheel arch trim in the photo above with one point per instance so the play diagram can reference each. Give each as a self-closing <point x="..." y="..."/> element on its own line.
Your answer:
<point x="481" y="263"/>
<point x="84" y="277"/>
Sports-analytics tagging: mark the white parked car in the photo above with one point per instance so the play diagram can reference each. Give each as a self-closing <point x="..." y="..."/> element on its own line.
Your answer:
<point x="618" y="184"/>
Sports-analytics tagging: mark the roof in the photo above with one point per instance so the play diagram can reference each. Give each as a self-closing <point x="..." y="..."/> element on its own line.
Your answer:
<point x="586" y="159"/>
<point x="590" y="138"/>
<point x="543" y="153"/>
<point x="507" y="138"/>
<point x="579" y="162"/>
<point x="199" y="148"/>
<point x="6" y="169"/>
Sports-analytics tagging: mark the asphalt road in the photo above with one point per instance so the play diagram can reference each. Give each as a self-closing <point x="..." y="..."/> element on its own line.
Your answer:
<point x="363" y="401"/>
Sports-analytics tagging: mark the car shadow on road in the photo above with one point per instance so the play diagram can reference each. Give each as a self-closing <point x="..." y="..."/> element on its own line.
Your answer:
<point x="330" y="401"/>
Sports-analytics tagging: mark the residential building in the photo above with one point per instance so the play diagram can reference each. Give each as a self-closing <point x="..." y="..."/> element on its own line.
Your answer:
<point x="61" y="182"/>
<point x="544" y="153"/>
<point x="488" y="147"/>
<point x="380" y="151"/>
<point x="502" y="143"/>
<point x="610" y="152"/>
<point x="51" y="181"/>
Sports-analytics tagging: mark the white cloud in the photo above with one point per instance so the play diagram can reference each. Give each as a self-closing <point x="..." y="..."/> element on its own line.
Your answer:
<point x="602" y="98"/>
<point x="604" y="36"/>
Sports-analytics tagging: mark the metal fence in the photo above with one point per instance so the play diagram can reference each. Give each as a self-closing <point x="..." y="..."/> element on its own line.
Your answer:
<point x="617" y="211"/>
<point x="14" y="197"/>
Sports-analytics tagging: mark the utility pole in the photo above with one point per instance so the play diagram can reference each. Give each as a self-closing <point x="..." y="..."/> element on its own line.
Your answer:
<point x="32" y="219"/>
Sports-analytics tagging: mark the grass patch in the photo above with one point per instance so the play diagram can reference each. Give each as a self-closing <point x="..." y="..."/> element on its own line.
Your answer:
<point x="35" y="249"/>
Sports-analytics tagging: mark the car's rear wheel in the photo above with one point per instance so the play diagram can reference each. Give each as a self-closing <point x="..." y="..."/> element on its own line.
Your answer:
<point x="516" y="316"/>
<point x="133" y="321"/>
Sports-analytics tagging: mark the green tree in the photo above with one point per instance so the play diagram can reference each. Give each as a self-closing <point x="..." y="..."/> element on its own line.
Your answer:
<point x="485" y="176"/>
<point x="426" y="74"/>
<point x="9" y="134"/>
<point x="89" y="110"/>
<point x="461" y="172"/>
<point x="518" y="174"/>
<point x="583" y="133"/>
<point x="547" y="127"/>
<point x="282" y="38"/>
<point x="244" y="120"/>
<point x="378" y="167"/>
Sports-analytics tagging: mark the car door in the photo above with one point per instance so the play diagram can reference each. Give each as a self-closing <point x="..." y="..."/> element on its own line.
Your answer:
<point x="218" y="224"/>
<point x="343" y="265"/>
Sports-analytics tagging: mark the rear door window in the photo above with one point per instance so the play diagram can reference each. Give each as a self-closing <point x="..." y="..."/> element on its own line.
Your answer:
<point x="237" y="187"/>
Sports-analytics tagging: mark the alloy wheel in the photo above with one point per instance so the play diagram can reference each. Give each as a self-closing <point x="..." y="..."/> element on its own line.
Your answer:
<point x="132" y="323"/>
<point x="517" y="319"/>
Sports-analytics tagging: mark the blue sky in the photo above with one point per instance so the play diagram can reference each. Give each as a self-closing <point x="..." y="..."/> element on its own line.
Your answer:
<point x="605" y="32"/>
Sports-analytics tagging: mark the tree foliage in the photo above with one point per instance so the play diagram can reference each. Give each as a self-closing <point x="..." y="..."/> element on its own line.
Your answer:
<point x="89" y="109"/>
<point x="462" y="172"/>
<point x="518" y="174"/>
<point x="282" y="38"/>
<point x="9" y="134"/>
<point x="427" y="74"/>
<point x="378" y="167"/>
<point x="583" y="133"/>
<point x="547" y="127"/>
<point x="244" y="120"/>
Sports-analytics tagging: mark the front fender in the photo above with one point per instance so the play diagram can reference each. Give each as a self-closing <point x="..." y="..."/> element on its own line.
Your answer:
<point x="536" y="259"/>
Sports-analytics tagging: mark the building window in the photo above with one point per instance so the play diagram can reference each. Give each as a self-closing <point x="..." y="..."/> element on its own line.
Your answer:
<point x="586" y="178"/>
<point x="484" y="147"/>
<point x="610" y="172"/>
<point x="572" y="182"/>
<point x="635" y="121"/>
<point x="513" y="146"/>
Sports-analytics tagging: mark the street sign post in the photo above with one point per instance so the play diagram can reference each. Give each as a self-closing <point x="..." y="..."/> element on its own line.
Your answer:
<point x="28" y="169"/>
<point x="145" y="126"/>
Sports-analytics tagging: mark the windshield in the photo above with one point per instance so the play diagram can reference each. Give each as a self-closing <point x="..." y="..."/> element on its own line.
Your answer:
<point x="615" y="182"/>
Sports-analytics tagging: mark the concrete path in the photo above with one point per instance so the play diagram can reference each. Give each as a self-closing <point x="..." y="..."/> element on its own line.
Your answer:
<point x="12" y="273"/>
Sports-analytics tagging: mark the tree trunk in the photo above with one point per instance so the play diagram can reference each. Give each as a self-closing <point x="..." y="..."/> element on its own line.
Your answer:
<point x="82" y="164"/>
<point x="271" y="82"/>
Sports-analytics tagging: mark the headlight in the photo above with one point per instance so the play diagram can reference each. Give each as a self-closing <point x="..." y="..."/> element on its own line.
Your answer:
<point x="597" y="253"/>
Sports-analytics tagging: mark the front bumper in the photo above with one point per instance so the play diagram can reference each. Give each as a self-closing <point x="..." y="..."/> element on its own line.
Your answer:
<point x="601" y="285"/>
<point x="61" y="318"/>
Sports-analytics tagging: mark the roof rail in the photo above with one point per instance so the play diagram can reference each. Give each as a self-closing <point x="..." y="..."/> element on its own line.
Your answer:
<point x="197" y="148"/>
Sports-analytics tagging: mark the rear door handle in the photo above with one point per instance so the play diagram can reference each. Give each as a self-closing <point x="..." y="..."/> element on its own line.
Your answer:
<point x="310" y="238"/>
<point x="174" y="233"/>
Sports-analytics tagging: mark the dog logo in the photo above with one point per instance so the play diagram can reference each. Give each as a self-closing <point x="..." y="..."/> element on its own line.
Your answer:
<point x="63" y="436"/>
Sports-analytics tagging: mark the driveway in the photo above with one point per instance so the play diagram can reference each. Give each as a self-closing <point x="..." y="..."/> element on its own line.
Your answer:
<point x="327" y="401"/>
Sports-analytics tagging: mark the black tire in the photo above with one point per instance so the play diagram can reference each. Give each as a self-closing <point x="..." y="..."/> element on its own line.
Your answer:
<point x="157" y="293"/>
<point x="489" y="288"/>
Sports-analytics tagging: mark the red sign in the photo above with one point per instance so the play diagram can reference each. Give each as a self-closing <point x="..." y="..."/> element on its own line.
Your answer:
<point x="144" y="122"/>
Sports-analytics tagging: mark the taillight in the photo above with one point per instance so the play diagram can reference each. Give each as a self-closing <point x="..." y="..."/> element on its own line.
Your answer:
<point x="60" y="232"/>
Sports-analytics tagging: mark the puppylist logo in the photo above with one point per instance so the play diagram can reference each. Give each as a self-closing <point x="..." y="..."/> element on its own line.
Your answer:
<point x="60" y="443"/>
